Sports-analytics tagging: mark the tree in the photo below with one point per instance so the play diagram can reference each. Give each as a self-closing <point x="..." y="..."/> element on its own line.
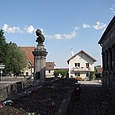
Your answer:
<point x="3" y="47"/>
<point x="11" y="56"/>
<point x="17" y="59"/>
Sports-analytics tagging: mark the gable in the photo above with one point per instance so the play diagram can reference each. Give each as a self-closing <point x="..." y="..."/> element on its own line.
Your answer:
<point x="83" y="55"/>
<point x="50" y="65"/>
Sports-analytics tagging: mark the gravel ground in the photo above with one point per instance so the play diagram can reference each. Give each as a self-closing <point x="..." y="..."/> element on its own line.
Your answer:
<point x="94" y="100"/>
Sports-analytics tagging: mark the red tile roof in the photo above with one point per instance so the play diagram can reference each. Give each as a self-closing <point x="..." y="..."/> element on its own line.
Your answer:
<point x="99" y="70"/>
<point x="50" y="65"/>
<point x="28" y="51"/>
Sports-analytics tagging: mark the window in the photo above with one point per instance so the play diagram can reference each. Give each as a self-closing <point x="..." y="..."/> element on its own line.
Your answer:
<point x="26" y="73"/>
<point x="87" y="74"/>
<point x="77" y="64"/>
<point x="49" y="71"/>
<point x="87" y="65"/>
<point x="77" y="74"/>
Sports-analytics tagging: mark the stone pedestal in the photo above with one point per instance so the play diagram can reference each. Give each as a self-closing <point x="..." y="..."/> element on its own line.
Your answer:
<point x="40" y="54"/>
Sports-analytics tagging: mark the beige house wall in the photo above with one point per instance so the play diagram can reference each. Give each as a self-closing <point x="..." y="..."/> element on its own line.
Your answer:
<point x="51" y="74"/>
<point x="82" y="59"/>
<point x="30" y="71"/>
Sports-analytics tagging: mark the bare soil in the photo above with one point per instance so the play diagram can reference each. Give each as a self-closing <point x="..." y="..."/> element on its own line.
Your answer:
<point x="39" y="100"/>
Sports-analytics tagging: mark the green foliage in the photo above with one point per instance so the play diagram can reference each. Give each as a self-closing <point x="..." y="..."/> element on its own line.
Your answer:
<point x="98" y="66"/>
<point x="56" y="73"/>
<point x="61" y="72"/>
<point x="11" y="56"/>
<point x="97" y="75"/>
<point x="17" y="59"/>
<point x="3" y="47"/>
<point x="92" y="76"/>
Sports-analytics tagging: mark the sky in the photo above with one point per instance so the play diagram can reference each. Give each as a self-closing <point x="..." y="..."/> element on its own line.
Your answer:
<point x="66" y="24"/>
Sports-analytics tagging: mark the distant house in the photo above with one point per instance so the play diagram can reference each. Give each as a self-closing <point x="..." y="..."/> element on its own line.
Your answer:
<point x="29" y="70"/>
<point x="107" y="42"/>
<point x="80" y="65"/>
<point x="50" y="69"/>
<point x="99" y="70"/>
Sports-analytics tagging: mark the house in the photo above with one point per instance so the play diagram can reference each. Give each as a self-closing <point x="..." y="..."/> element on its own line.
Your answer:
<point x="99" y="70"/>
<point x="50" y="69"/>
<point x="29" y="70"/>
<point x="107" y="42"/>
<point x="80" y="65"/>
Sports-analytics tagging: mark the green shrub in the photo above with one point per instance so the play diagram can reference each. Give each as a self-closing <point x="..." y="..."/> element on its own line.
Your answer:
<point x="92" y="76"/>
<point x="61" y="72"/>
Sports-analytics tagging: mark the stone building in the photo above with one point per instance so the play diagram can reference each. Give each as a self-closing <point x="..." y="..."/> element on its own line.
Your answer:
<point x="107" y="42"/>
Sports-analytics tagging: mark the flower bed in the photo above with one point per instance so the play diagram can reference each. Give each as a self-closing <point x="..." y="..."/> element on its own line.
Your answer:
<point x="38" y="100"/>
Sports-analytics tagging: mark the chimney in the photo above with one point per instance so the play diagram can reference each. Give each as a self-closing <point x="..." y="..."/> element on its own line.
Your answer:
<point x="72" y="52"/>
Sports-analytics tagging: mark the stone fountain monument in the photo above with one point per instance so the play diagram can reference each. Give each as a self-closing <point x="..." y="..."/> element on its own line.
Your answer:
<point x="40" y="54"/>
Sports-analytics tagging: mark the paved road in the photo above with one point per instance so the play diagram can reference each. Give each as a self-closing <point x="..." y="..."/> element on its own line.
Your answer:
<point x="94" y="100"/>
<point x="5" y="83"/>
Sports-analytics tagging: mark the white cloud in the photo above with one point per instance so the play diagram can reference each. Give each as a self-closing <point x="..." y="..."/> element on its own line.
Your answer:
<point x="58" y="36"/>
<point x="13" y="29"/>
<point x="112" y="9"/>
<point x="86" y="26"/>
<point x="30" y="29"/>
<point x="76" y="28"/>
<point x="71" y="35"/>
<point x="99" y="25"/>
<point x="49" y="36"/>
<point x="62" y="36"/>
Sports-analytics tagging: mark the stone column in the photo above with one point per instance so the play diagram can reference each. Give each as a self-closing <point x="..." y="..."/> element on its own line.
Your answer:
<point x="113" y="65"/>
<point x="39" y="63"/>
<point x="103" y="60"/>
<point x="113" y="58"/>
<point x="107" y="67"/>
<point x="103" y="73"/>
<point x="109" y="59"/>
<point x="40" y="54"/>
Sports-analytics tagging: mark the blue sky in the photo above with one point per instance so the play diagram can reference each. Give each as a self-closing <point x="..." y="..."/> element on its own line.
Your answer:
<point x="66" y="24"/>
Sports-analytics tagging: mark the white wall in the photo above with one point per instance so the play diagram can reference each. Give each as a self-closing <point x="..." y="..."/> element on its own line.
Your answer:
<point x="82" y="59"/>
<point x="29" y="71"/>
<point x="49" y="74"/>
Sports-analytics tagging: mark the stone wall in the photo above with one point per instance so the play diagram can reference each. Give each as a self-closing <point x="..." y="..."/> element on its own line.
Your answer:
<point x="7" y="90"/>
<point x="67" y="104"/>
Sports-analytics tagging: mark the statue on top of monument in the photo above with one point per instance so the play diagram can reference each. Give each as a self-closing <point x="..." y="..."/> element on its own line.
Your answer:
<point x="40" y="38"/>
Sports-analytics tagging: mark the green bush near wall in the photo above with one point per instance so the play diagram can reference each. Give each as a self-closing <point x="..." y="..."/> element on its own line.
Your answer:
<point x="92" y="76"/>
<point x="61" y="72"/>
